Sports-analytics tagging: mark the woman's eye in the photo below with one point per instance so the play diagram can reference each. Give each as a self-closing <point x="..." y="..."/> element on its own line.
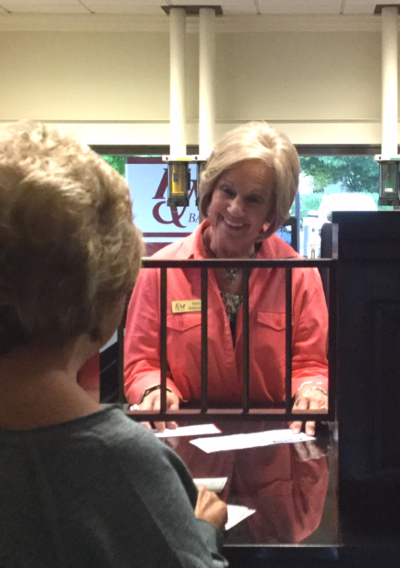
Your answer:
<point x="254" y="199"/>
<point x="227" y="191"/>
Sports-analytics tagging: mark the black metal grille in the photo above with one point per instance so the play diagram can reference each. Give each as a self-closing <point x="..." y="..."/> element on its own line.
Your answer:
<point x="203" y="411"/>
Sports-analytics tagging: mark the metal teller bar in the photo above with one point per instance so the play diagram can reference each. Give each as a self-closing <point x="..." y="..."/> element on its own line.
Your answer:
<point x="204" y="412"/>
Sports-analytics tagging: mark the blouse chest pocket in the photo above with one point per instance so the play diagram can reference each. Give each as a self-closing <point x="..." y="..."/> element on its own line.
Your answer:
<point x="274" y="320"/>
<point x="183" y="321"/>
<point x="269" y="341"/>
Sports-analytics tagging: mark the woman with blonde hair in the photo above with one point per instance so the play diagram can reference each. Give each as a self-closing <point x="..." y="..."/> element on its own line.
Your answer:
<point x="246" y="191"/>
<point x="80" y="485"/>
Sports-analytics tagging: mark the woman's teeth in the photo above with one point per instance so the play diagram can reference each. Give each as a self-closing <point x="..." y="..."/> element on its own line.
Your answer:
<point x="234" y="225"/>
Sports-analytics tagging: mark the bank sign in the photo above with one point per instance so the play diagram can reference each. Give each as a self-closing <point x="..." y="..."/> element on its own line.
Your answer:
<point x="160" y="224"/>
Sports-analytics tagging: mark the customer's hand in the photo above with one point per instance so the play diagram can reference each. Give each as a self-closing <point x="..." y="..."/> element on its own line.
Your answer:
<point x="152" y="401"/>
<point x="210" y="508"/>
<point x="309" y="397"/>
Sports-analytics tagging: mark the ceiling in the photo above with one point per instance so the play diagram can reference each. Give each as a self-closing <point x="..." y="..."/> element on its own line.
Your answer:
<point x="229" y="7"/>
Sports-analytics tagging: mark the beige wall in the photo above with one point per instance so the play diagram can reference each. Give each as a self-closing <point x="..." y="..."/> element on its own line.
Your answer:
<point x="299" y="76"/>
<point x="319" y="83"/>
<point x="84" y="76"/>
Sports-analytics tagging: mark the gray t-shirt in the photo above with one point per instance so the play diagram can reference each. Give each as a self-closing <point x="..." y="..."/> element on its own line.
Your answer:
<point x="99" y="491"/>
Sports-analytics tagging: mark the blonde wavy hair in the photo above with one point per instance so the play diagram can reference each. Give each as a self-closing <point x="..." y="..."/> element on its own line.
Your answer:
<point x="255" y="141"/>
<point x="69" y="250"/>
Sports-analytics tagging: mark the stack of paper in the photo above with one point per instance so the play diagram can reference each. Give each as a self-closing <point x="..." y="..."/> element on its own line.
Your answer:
<point x="195" y="430"/>
<point x="254" y="440"/>
<point x="215" y="484"/>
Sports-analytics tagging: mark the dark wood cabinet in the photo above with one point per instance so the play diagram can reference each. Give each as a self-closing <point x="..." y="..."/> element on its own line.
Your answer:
<point x="368" y="395"/>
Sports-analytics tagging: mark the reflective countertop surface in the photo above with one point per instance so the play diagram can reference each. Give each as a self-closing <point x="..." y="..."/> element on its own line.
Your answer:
<point x="292" y="487"/>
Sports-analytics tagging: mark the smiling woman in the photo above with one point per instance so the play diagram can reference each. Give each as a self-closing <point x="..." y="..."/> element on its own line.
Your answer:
<point x="246" y="191"/>
<point x="238" y="210"/>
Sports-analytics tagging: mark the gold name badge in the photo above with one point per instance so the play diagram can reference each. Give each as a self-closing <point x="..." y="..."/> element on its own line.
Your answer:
<point x="184" y="306"/>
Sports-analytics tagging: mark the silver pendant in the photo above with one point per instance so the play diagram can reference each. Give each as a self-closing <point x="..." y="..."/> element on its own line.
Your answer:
<point x="230" y="275"/>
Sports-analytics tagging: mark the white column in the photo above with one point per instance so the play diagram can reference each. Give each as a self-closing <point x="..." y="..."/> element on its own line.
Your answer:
<point x="177" y="82"/>
<point x="206" y="81"/>
<point x="389" y="80"/>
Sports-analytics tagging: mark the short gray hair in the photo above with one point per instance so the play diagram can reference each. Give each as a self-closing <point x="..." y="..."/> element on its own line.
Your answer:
<point x="69" y="250"/>
<point x="255" y="141"/>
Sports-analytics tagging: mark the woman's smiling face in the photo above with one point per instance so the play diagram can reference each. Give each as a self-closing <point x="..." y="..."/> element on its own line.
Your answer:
<point x="239" y="206"/>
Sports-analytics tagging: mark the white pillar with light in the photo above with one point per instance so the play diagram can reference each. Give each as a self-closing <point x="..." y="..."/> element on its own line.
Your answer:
<point x="177" y="81"/>
<point x="177" y="165"/>
<point x="389" y="158"/>
<point x="206" y="80"/>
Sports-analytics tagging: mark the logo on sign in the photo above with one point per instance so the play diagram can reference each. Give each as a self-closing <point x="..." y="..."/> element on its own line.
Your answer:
<point x="161" y="194"/>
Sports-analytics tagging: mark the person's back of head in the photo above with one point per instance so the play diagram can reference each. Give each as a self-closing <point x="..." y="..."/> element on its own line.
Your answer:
<point x="80" y="485"/>
<point x="69" y="250"/>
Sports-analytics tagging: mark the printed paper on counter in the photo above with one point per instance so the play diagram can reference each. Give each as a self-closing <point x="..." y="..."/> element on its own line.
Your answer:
<point x="195" y="430"/>
<point x="254" y="440"/>
<point x="236" y="514"/>
<point x="215" y="484"/>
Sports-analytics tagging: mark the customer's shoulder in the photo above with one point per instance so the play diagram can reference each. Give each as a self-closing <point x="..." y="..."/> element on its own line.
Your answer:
<point x="131" y="444"/>
<point x="120" y="430"/>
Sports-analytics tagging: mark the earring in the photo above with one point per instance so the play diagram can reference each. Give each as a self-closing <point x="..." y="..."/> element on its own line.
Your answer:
<point x="263" y="232"/>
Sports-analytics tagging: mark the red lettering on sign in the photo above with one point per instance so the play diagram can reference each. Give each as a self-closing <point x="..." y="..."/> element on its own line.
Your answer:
<point x="162" y="188"/>
<point x="160" y="194"/>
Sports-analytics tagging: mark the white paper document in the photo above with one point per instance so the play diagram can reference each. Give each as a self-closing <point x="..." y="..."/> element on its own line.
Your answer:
<point x="254" y="440"/>
<point x="236" y="514"/>
<point x="215" y="484"/>
<point x="195" y="430"/>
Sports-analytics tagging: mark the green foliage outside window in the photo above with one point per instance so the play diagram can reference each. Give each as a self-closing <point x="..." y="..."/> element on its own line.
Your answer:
<point x="355" y="173"/>
<point x="117" y="162"/>
<point x="308" y="202"/>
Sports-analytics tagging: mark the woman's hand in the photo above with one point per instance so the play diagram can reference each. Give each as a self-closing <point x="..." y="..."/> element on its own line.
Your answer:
<point x="152" y="401"/>
<point x="309" y="397"/>
<point x="210" y="508"/>
<point x="310" y="450"/>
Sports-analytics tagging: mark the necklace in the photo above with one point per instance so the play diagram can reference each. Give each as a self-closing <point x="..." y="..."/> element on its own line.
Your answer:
<point x="230" y="272"/>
